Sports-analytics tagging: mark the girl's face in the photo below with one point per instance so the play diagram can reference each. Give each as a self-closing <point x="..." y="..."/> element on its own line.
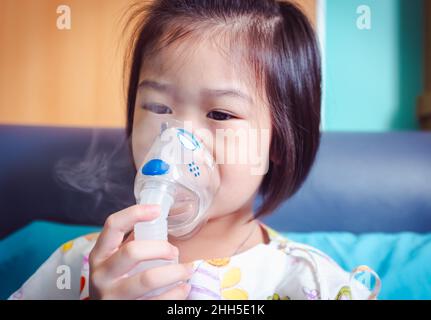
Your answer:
<point x="202" y="88"/>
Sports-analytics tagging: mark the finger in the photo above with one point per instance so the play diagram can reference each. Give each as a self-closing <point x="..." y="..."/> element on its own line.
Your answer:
<point x="142" y="283"/>
<point x="133" y="252"/>
<point x="117" y="225"/>
<point x="180" y="292"/>
<point x="128" y="237"/>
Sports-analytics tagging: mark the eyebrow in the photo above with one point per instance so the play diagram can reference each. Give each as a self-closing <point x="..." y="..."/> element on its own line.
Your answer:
<point x="207" y="92"/>
<point x="227" y="92"/>
<point x="155" y="85"/>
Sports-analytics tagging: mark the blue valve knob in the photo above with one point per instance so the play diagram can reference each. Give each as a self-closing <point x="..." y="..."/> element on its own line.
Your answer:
<point x="155" y="167"/>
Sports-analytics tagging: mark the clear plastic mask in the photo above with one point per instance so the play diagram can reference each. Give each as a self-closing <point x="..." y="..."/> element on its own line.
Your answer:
<point x="179" y="166"/>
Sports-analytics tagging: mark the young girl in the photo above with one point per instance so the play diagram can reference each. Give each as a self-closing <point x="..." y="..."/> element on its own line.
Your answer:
<point x="222" y="65"/>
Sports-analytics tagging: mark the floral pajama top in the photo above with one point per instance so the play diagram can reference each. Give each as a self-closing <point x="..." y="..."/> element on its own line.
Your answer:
<point x="279" y="270"/>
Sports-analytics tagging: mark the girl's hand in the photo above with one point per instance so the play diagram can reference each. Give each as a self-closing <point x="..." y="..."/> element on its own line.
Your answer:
<point x="112" y="258"/>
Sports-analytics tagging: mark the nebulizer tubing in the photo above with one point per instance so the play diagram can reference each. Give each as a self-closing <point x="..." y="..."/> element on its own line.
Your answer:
<point x="186" y="174"/>
<point x="155" y="192"/>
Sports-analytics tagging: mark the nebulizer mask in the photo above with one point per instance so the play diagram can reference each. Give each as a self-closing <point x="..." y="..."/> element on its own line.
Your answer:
<point x="179" y="174"/>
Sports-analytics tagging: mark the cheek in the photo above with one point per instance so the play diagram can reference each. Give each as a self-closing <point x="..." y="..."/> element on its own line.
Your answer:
<point x="239" y="183"/>
<point x="145" y="130"/>
<point x="241" y="180"/>
<point x="237" y="187"/>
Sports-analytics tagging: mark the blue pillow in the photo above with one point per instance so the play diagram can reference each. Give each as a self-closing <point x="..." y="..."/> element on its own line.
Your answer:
<point x="23" y="252"/>
<point x="402" y="260"/>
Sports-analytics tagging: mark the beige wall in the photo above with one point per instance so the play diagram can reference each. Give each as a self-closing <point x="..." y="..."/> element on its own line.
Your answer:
<point x="309" y="7"/>
<point x="64" y="77"/>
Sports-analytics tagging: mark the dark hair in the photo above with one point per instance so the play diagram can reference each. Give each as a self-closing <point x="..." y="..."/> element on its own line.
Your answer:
<point x="283" y="53"/>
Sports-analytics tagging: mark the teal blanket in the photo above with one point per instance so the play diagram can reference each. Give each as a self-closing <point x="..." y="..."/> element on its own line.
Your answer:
<point x="402" y="260"/>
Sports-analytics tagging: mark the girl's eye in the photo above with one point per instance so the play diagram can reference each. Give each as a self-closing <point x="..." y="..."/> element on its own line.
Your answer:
<point x="219" y="116"/>
<point x="157" y="108"/>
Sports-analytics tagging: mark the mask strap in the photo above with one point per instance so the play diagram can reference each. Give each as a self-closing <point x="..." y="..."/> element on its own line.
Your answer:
<point x="308" y="257"/>
<point x="377" y="285"/>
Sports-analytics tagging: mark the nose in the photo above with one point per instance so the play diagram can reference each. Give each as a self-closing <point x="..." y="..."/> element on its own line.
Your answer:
<point x="199" y="128"/>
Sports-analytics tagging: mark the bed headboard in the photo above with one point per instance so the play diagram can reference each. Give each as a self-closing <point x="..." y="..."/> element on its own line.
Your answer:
<point x="361" y="182"/>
